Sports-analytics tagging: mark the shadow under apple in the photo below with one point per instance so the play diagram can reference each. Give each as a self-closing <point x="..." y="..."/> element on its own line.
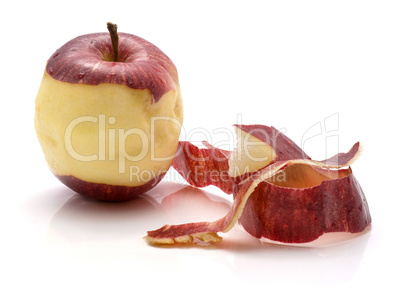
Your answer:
<point x="85" y="220"/>
<point x="81" y="222"/>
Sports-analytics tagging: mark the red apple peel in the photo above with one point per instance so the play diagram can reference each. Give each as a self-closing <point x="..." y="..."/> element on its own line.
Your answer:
<point x="203" y="167"/>
<point x="316" y="197"/>
<point x="300" y="215"/>
<point x="284" y="147"/>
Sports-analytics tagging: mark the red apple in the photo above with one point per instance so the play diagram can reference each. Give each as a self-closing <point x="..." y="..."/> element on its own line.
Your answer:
<point x="108" y="114"/>
<point x="292" y="199"/>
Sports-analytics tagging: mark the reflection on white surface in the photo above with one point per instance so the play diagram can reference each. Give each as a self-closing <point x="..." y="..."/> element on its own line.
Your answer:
<point x="321" y="265"/>
<point x="81" y="220"/>
<point x="106" y="239"/>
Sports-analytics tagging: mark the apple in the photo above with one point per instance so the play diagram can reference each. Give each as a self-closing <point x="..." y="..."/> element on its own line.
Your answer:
<point x="292" y="199"/>
<point x="108" y="115"/>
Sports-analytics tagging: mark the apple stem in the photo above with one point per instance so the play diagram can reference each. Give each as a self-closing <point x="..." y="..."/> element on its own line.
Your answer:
<point x="115" y="40"/>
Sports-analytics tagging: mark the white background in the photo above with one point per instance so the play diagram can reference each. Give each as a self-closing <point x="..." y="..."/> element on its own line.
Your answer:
<point x="305" y="67"/>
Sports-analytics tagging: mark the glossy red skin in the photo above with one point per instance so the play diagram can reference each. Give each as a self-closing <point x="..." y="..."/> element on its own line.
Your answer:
<point x="302" y="215"/>
<point x="284" y="214"/>
<point x="284" y="147"/>
<point x="105" y="192"/>
<point x="203" y="167"/>
<point x="141" y="64"/>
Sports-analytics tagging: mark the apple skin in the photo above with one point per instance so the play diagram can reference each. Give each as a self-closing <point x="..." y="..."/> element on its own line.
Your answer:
<point x="301" y="215"/>
<point x="203" y="167"/>
<point x="283" y="146"/>
<point x="82" y="80"/>
<point x="291" y="200"/>
<point x="87" y="60"/>
<point x="105" y="192"/>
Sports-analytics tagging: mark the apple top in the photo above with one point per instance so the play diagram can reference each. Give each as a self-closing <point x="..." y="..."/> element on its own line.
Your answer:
<point x="88" y="59"/>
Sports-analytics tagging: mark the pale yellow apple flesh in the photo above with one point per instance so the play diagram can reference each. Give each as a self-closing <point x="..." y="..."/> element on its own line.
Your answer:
<point x="108" y="133"/>
<point x="251" y="154"/>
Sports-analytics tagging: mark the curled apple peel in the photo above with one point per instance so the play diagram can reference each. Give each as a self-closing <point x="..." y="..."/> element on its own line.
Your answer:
<point x="293" y="199"/>
<point x="204" y="167"/>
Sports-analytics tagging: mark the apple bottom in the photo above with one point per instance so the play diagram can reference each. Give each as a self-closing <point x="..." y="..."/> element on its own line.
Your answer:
<point x="106" y="192"/>
<point x="302" y="215"/>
